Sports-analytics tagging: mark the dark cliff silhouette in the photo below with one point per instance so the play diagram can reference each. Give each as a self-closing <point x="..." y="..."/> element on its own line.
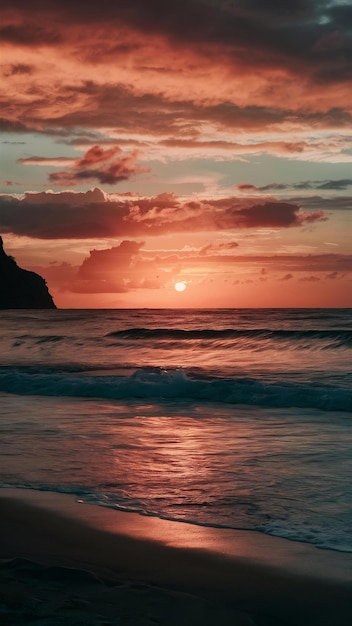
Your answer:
<point x="21" y="289"/>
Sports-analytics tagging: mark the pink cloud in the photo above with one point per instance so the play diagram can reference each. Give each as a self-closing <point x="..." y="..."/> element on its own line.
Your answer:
<point x="96" y="154"/>
<point x="111" y="260"/>
<point x="246" y="187"/>
<point x="110" y="170"/>
<point x="120" y="269"/>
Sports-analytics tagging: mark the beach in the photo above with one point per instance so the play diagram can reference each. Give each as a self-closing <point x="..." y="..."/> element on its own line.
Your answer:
<point x="64" y="561"/>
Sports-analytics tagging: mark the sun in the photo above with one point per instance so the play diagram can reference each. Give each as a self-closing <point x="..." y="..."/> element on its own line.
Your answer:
<point x="180" y="286"/>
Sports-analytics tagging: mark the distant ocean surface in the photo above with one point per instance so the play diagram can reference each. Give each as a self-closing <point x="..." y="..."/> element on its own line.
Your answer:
<point x="231" y="418"/>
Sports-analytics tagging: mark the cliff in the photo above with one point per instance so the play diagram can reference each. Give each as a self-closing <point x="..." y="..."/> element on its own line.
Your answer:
<point x="20" y="289"/>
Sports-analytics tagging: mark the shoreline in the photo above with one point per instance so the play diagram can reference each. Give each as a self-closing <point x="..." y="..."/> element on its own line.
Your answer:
<point x="214" y="570"/>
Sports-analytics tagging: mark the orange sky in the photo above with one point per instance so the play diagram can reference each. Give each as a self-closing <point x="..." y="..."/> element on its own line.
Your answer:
<point x="206" y="141"/>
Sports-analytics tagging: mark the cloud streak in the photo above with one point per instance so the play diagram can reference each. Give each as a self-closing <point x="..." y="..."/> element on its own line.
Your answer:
<point x="323" y="185"/>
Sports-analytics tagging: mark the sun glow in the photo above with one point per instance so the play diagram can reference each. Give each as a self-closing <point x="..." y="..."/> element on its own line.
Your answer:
<point x="180" y="286"/>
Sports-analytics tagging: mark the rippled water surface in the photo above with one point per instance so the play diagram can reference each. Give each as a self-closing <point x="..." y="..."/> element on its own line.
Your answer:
<point x="231" y="418"/>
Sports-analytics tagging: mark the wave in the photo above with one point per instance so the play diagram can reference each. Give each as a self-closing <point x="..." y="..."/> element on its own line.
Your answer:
<point x="177" y="385"/>
<point x="336" y="338"/>
<point x="336" y="537"/>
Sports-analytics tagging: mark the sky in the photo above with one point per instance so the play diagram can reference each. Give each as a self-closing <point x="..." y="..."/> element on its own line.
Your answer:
<point x="203" y="142"/>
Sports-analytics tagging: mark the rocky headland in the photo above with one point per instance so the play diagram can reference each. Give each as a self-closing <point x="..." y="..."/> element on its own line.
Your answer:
<point x="19" y="288"/>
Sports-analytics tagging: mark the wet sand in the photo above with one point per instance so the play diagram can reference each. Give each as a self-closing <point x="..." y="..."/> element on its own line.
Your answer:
<point x="65" y="562"/>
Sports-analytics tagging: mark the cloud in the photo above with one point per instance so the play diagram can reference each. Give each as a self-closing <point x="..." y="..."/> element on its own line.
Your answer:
<point x="29" y="34"/>
<point x="246" y="187"/>
<point x="319" y="203"/>
<point x="96" y="214"/>
<point x="334" y="148"/>
<point x="120" y="269"/>
<point x="97" y="164"/>
<point x="120" y="169"/>
<point x="96" y="154"/>
<point x="333" y="276"/>
<point x="217" y="61"/>
<point x="276" y="214"/>
<point x="12" y="126"/>
<point x="220" y="247"/>
<point x="17" y="68"/>
<point x="276" y="148"/>
<point x="310" y="279"/>
<point x="129" y="266"/>
<point x="46" y="161"/>
<point x="249" y="33"/>
<point x="334" y="185"/>
<point x="112" y="260"/>
<point x="63" y="198"/>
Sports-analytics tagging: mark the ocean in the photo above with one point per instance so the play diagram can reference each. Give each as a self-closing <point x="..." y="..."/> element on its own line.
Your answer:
<point x="226" y="418"/>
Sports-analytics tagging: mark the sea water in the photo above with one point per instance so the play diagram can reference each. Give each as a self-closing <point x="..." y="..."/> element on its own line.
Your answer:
<point x="227" y="418"/>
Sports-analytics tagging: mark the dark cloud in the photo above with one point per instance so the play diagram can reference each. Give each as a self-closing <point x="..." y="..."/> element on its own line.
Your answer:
<point x="119" y="107"/>
<point x="71" y="215"/>
<point x="18" y="68"/>
<point x="262" y="33"/>
<point x="29" y="34"/>
<point x="276" y="214"/>
<point x="333" y="276"/>
<point x="12" y="126"/>
<point x="273" y="187"/>
<point x="333" y="185"/>
<point x="310" y="279"/>
<point x="318" y="203"/>
<point x="246" y="187"/>
<point x="336" y="185"/>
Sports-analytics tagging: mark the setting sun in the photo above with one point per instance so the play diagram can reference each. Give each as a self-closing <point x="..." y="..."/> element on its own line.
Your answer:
<point x="180" y="286"/>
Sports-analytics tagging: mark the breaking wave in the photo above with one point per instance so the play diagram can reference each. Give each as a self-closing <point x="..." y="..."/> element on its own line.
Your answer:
<point x="178" y="385"/>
